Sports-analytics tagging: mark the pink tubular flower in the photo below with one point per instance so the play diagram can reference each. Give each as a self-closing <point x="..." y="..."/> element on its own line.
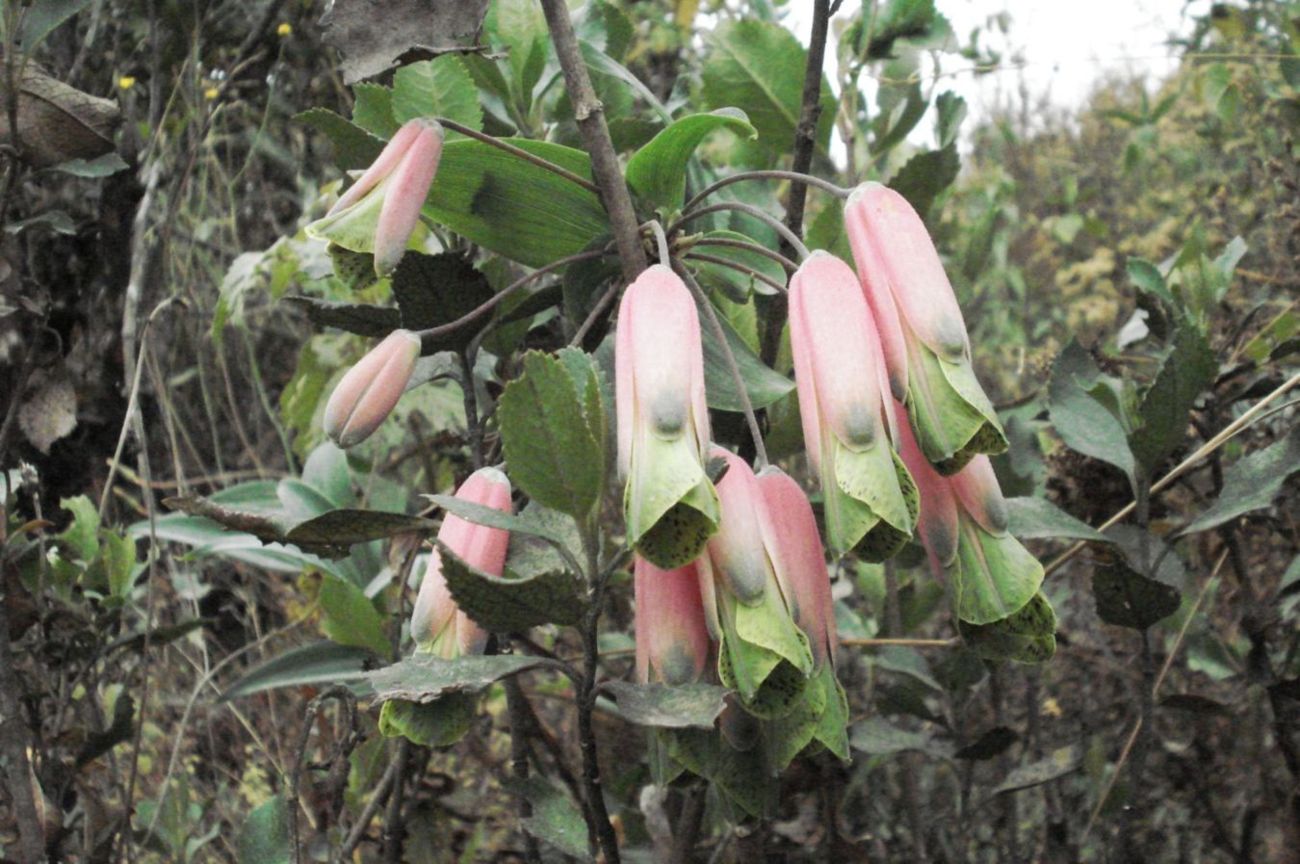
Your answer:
<point x="921" y="329"/>
<point x="669" y="504"/>
<point x="963" y="525"/>
<point x="378" y="213"/>
<point x="762" y="654"/>
<point x="438" y="626"/>
<point x="870" y="499"/>
<point x="672" y="640"/>
<point x="370" y="389"/>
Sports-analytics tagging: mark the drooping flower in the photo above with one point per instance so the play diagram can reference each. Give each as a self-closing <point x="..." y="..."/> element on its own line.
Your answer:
<point x="924" y="338"/>
<point x="795" y="549"/>
<point x="369" y="390"/>
<point x="870" y="500"/>
<point x="669" y="505"/>
<point x="963" y="525"/>
<point x="438" y="625"/>
<point x="672" y="639"/>
<point x="380" y="210"/>
<point x="762" y="653"/>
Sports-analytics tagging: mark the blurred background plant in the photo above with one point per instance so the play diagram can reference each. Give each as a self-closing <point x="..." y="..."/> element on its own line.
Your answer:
<point x="1128" y="271"/>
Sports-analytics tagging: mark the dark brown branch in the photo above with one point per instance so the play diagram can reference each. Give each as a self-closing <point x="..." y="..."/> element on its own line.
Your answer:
<point x="590" y="115"/>
<point x="13" y="746"/>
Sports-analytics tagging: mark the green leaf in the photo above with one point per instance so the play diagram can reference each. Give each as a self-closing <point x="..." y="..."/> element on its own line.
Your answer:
<point x="441" y="87"/>
<point x="1126" y="598"/>
<point x="82" y="535"/>
<point x="354" y="147"/>
<point x="657" y="172"/>
<point x="363" y="319"/>
<point x="520" y="27"/>
<point x="319" y="664"/>
<point x="264" y="839"/>
<point x="39" y="19"/>
<point x="426" y="677"/>
<point x="899" y="19"/>
<point x="1084" y="423"/>
<point x="687" y="705"/>
<point x="764" y="385"/>
<point x="510" y="605"/>
<point x="1026" y="636"/>
<point x="925" y="175"/>
<point x="432" y="290"/>
<point x="758" y="67"/>
<point x="1251" y="483"/>
<point x="1063" y="761"/>
<point x="480" y="515"/>
<point x="372" y="109"/>
<point x="876" y="736"/>
<point x="439" y="723"/>
<point x="951" y="109"/>
<point x="1035" y="518"/>
<point x="551" y="450"/>
<point x="556" y="820"/>
<point x="117" y="553"/>
<point x="101" y="166"/>
<point x="350" y="618"/>
<point x="346" y="526"/>
<point x="513" y="207"/>
<point x="1187" y="371"/>
<point x="1148" y="279"/>
<point x="734" y="285"/>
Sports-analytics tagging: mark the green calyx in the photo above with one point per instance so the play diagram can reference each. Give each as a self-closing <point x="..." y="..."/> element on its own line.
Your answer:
<point x="670" y="507"/>
<point x="763" y="655"/>
<point x="992" y="575"/>
<point x="871" y="499"/>
<point x="1026" y="636"/>
<point x="953" y="419"/>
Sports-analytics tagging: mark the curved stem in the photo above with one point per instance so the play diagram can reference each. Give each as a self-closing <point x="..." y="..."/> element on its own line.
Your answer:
<point x="738" y="267"/>
<point x="470" y="132"/>
<point x="661" y="239"/>
<point x="491" y="303"/>
<point x="797" y="176"/>
<point x="766" y="218"/>
<point x="594" y="315"/>
<point x="715" y="326"/>
<point x="748" y="247"/>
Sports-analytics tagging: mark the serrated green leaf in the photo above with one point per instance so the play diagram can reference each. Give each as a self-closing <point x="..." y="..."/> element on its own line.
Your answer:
<point x="346" y="526"/>
<point x="432" y="290"/>
<point x="1185" y="373"/>
<point x="556" y="819"/>
<point x="441" y="87"/>
<point x="1251" y="483"/>
<point x="354" y="147"/>
<point x="372" y="109"/>
<point x="362" y="319"/>
<point x="1084" y="423"/>
<point x="925" y="175"/>
<point x="425" y="677"/>
<point x="657" y="172"/>
<point x="506" y="605"/>
<point x="264" y="839"/>
<point x="687" y="705"/>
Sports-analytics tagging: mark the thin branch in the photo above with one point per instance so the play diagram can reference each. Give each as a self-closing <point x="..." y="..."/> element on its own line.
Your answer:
<point x="1183" y="467"/>
<point x="763" y="216"/>
<point x="661" y="239"/>
<point x="594" y="315"/>
<point x="14" y="748"/>
<point x="805" y="134"/>
<point x="491" y="303"/>
<point x="785" y="262"/>
<point x="715" y="328"/>
<point x="793" y="176"/>
<point x="517" y="709"/>
<point x="738" y="267"/>
<point x="518" y="152"/>
<point x="906" y="643"/>
<point x="590" y="115"/>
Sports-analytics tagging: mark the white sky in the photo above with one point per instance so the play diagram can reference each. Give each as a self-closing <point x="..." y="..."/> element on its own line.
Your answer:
<point x="1064" y="45"/>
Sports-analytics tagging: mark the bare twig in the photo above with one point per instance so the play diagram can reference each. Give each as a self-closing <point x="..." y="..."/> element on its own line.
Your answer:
<point x="748" y="247"/>
<point x="518" y="711"/>
<point x="590" y="116"/>
<point x="748" y="209"/>
<point x="594" y="315"/>
<point x="13" y="746"/>
<point x="805" y="134"/>
<point x="809" y="179"/>
<point x="348" y="704"/>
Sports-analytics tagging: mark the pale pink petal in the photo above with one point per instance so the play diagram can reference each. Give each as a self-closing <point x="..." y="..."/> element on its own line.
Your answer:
<point x="976" y="487"/>
<point x="434" y="607"/>
<point x="624" y="387"/>
<point x="938" y="516"/>
<point x="801" y="342"/>
<point x="911" y="266"/>
<point x="878" y="292"/>
<point x="368" y="392"/>
<point x="795" y="547"/>
<point x="665" y="345"/>
<point x="737" y="549"/>
<point x="385" y="163"/>
<point x="672" y="638"/>
<point x="405" y="196"/>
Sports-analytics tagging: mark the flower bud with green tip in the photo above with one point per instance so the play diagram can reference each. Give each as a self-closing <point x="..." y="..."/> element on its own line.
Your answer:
<point x="926" y="348"/>
<point x="670" y="506"/>
<point x="379" y="212"/>
<point x="762" y="653"/>
<point x="963" y="526"/>
<point x="672" y="638"/>
<point x="870" y="501"/>
<point x="438" y="625"/>
<point x="369" y="391"/>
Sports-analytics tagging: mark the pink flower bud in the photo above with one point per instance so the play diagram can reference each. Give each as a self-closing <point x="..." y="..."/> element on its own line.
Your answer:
<point x="790" y="534"/>
<point x="437" y="623"/>
<point x="669" y="504"/>
<point x="672" y="640"/>
<point x="963" y="526"/>
<point x="379" y="212"/>
<point x="870" y="500"/>
<point x="371" y="388"/>
<point x="922" y="333"/>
